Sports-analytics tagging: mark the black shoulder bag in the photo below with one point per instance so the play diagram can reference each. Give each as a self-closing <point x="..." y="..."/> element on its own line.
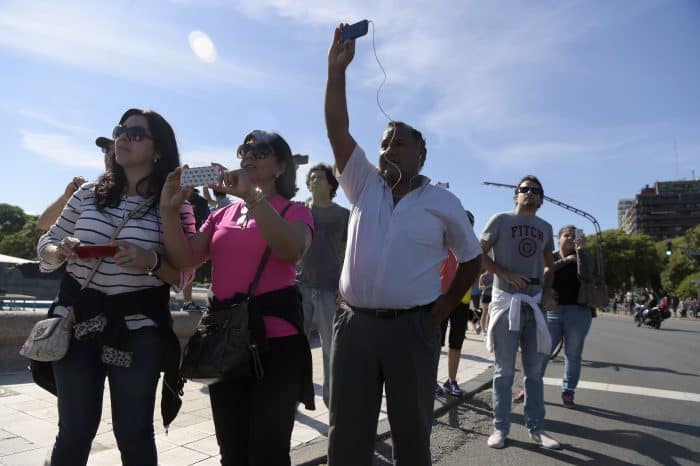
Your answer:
<point x="222" y="345"/>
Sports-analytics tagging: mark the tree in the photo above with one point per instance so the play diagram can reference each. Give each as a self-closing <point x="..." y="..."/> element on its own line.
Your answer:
<point x="684" y="261"/>
<point x="688" y="288"/>
<point x="625" y="256"/>
<point x="22" y="243"/>
<point x="12" y="219"/>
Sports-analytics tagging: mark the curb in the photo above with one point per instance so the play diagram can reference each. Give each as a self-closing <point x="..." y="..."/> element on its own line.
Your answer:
<point x="314" y="452"/>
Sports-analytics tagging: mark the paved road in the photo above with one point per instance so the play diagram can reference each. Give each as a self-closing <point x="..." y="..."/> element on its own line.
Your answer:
<point x="616" y="421"/>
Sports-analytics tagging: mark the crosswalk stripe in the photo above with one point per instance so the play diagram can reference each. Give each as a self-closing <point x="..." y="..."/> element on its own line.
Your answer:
<point x="631" y="389"/>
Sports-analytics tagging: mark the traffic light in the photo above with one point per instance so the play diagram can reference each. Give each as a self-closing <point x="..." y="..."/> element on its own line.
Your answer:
<point x="669" y="251"/>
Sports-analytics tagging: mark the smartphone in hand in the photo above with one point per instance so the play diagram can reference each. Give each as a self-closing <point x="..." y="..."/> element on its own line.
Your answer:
<point x="200" y="176"/>
<point x="95" y="251"/>
<point x="354" y="31"/>
<point x="579" y="235"/>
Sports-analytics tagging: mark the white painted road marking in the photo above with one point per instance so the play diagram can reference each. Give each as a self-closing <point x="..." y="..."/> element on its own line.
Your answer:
<point x="630" y="389"/>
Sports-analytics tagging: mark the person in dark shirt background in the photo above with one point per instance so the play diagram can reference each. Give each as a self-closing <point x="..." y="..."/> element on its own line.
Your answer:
<point x="570" y="320"/>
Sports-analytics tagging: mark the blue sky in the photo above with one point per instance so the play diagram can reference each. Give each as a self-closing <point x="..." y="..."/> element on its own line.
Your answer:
<point x="587" y="95"/>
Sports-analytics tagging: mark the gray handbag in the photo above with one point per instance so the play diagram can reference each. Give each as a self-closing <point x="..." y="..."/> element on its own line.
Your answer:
<point x="48" y="340"/>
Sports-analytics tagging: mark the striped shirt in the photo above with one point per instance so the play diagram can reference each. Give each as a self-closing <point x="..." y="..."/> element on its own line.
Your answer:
<point x="83" y="220"/>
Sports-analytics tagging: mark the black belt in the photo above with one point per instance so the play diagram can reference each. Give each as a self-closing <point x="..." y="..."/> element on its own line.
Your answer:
<point x="391" y="313"/>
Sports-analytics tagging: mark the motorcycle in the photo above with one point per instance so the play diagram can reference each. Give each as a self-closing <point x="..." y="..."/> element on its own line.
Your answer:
<point x="650" y="317"/>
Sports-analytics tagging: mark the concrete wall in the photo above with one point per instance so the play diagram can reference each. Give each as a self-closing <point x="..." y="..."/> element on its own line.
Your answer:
<point x="16" y="325"/>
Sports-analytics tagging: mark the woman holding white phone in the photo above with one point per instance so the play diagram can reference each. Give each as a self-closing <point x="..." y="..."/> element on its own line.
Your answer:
<point x="254" y="418"/>
<point x="569" y="319"/>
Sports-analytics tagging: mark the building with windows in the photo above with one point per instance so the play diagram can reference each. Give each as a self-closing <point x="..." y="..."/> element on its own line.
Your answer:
<point x="665" y="210"/>
<point x="623" y="205"/>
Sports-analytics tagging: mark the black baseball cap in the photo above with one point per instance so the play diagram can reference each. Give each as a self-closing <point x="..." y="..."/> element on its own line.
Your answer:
<point x="104" y="142"/>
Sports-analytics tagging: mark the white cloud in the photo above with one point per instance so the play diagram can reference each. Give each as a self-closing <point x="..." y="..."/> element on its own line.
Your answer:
<point x="121" y="39"/>
<point x="63" y="149"/>
<point x="203" y="156"/>
<point x="467" y="65"/>
<point x="49" y="120"/>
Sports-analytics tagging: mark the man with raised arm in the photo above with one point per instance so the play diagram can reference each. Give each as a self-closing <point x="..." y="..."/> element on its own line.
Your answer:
<point x="387" y="337"/>
<point x="49" y="216"/>
<point x="521" y="246"/>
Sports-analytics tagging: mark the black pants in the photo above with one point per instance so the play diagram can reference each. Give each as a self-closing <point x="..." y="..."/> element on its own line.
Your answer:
<point x="458" y="326"/>
<point x="254" y="419"/>
<point x="369" y="354"/>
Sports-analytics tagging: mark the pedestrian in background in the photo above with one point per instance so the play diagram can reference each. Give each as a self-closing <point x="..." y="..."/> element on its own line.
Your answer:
<point x="457" y="319"/>
<point x="521" y="245"/>
<point x="201" y="212"/>
<point x="319" y="270"/>
<point x="49" y="216"/>
<point x="570" y="320"/>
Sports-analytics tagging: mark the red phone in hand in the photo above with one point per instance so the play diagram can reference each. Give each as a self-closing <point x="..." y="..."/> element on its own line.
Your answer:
<point x="89" y="252"/>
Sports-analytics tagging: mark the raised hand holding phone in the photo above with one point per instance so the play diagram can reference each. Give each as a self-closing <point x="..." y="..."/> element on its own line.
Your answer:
<point x="173" y="193"/>
<point x="354" y="31"/>
<point x="579" y="238"/>
<point x="342" y="51"/>
<point x="237" y="183"/>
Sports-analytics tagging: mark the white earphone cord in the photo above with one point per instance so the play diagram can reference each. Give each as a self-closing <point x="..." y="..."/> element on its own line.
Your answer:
<point x="379" y="104"/>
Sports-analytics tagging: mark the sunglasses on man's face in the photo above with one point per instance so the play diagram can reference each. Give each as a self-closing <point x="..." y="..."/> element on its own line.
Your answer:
<point x="529" y="189"/>
<point x="133" y="133"/>
<point x="259" y="150"/>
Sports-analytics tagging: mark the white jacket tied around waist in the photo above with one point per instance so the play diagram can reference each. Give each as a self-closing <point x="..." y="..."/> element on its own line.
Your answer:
<point x="502" y="301"/>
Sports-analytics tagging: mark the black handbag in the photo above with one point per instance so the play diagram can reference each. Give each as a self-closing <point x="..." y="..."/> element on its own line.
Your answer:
<point x="222" y="345"/>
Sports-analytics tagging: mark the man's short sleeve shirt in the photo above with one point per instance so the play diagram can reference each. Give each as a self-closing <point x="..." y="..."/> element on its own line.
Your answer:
<point x="518" y="244"/>
<point x="394" y="252"/>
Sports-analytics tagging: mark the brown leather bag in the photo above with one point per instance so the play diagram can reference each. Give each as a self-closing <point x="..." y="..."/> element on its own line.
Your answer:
<point x="592" y="292"/>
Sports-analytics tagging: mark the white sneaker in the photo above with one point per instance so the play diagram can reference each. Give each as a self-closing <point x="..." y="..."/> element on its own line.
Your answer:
<point x="497" y="439"/>
<point x="544" y="440"/>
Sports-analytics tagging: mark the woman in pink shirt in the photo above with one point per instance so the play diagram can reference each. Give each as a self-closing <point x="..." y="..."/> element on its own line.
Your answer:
<point x="254" y="418"/>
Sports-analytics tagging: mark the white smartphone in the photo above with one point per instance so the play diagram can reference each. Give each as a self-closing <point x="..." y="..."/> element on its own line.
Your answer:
<point x="200" y="176"/>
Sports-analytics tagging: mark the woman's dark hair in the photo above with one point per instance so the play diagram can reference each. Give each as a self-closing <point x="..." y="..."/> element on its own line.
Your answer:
<point x="110" y="186"/>
<point x="330" y="177"/>
<point x="286" y="183"/>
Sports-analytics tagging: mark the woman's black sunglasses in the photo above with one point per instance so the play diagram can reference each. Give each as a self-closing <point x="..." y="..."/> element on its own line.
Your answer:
<point x="259" y="150"/>
<point x="133" y="133"/>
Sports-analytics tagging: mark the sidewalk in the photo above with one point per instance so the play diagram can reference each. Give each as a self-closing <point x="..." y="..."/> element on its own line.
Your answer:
<point x="28" y="418"/>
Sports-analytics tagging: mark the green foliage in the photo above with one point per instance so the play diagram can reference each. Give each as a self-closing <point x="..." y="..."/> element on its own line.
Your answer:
<point x="625" y="256"/>
<point x="683" y="262"/>
<point x="12" y="219"/>
<point x="21" y="243"/>
<point x="688" y="288"/>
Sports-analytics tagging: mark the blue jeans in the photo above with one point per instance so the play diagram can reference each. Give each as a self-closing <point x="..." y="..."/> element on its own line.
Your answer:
<point x="322" y="303"/>
<point x="506" y="344"/>
<point x="80" y="378"/>
<point x="571" y="322"/>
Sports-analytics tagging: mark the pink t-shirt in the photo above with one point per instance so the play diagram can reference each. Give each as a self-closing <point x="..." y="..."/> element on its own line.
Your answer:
<point x="236" y="249"/>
